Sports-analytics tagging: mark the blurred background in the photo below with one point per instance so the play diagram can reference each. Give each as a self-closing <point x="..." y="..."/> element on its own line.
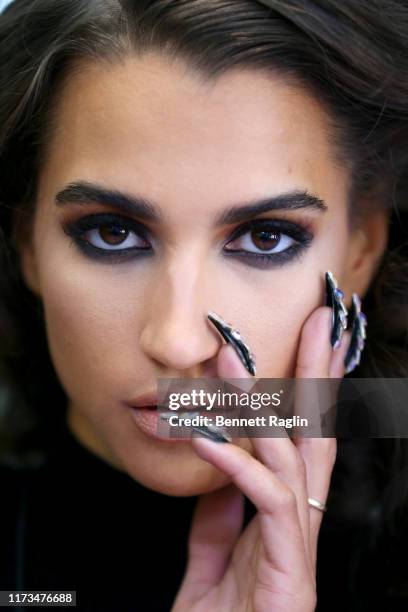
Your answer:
<point x="4" y="3"/>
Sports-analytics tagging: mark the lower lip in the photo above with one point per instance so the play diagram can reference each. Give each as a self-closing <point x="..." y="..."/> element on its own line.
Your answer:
<point x="147" y="419"/>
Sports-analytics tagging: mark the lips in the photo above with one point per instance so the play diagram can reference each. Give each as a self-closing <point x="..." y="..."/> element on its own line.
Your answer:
<point x="147" y="400"/>
<point x="145" y="414"/>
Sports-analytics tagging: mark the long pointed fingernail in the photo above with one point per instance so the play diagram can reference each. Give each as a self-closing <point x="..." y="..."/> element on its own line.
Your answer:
<point x="235" y="339"/>
<point x="189" y="414"/>
<point x="334" y="299"/>
<point x="213" y="433"/>
<point x="357" y="324"/>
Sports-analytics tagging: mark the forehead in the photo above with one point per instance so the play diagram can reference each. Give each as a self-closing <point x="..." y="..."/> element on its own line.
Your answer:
<point x="151" y="124"/>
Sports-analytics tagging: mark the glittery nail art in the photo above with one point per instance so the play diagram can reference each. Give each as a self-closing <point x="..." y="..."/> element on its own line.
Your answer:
<point x="334" y="299"/>
<point x="235" y="339"/>
<point x="357" y="324"/>
<point x="213" y="433"/>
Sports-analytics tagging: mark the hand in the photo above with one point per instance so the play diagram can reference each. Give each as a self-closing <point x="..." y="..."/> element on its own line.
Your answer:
<point x="271" y="565"/>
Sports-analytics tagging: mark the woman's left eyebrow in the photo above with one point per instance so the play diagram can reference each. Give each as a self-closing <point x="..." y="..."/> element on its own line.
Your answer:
<point x="84" y="193"/>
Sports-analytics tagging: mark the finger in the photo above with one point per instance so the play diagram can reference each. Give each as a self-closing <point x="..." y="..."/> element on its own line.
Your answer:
<point x="319" y="455"/>
<point x="313" y="359"/>
<point x="276" y="503"/>
<point x="216" y="525"/>
<point x="318" y="452"/>
<point x="317" y="360"/>
<point x="313" y="364"/>
<point x="315" y="351"/>
<point x="278" y="454"/>
<point x="281" y="456"/>
<point x="229" y="365"/>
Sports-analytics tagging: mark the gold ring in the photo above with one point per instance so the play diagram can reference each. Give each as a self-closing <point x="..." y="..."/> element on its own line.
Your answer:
<point x="316" y="504"/>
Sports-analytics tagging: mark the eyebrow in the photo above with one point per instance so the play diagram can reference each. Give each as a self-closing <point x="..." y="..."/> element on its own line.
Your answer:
<point x="84" y="193"/>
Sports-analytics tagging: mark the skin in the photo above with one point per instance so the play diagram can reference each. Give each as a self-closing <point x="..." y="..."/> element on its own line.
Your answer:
<point x="270" y="565"/>
<point x="194" y="149"/>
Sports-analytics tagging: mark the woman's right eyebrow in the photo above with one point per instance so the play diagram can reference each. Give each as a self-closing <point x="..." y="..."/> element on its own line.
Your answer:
<point x="85" y="193"/>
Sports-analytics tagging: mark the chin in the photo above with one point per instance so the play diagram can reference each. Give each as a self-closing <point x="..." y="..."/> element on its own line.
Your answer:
<point x="175" y="470"/>
<point x="187" y="480"/>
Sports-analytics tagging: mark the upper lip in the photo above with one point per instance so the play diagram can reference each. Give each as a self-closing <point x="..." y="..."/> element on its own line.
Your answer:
<point x="147" y="399"/>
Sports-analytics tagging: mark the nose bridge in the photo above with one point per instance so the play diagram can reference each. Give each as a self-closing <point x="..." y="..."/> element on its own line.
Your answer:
<point x="176" y="332"/>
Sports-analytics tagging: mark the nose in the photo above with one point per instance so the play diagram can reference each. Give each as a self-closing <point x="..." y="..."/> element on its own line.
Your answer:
<point x="176" y="333"/>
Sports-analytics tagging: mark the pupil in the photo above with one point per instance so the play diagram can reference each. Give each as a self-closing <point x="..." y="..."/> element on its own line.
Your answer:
<point x="266" y="240"/>
<point x="113" y="234"/>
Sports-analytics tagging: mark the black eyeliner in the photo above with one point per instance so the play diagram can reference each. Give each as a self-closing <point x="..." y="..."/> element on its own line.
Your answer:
<point x="112" y="255"/>
<point x="274" y="260"/>
<point x="76" y="229"/>
<point x="280" y="225"/>
<point x="262" y="260"/>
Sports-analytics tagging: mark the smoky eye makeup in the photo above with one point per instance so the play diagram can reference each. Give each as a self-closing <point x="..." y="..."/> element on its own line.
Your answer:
<point x="111" y="231"/>
<point x="275" y="242"/>
<point x="261" y="243"/>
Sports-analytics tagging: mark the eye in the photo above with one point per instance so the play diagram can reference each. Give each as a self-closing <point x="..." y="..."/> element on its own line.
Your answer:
<point x="114" y="235"/>
<point x="108" y="235"/>
<point x="268" y="242"/>
<point x="263" y="241"/>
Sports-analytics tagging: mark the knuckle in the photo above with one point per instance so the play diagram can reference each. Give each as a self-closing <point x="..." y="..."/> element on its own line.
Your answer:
<point x="308" y="594"/>
<point x="299" y="465"/>
<point x="311" y="598"/>
<point x="320" y="451"/>
<point x="310" y="601"/>
<point x="286" y="500"/>
<point x="328" y="450"/>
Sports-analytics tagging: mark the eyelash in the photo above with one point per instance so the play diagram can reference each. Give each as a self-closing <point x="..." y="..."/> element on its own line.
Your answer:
<point x="301" y="234"/>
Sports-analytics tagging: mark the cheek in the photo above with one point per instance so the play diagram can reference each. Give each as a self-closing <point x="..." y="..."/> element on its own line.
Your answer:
<point x="281" y="326"/>
<point x="272" y="307"/>
<point x="92" y="333"/>
<point x="283" y="303"/>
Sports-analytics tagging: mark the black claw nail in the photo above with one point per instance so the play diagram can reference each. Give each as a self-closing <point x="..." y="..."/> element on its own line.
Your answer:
<point x="334" y="299"/>
<point x="235" y="339"/>
<point x="212" y="434"/>
<point x="357" y="324"/>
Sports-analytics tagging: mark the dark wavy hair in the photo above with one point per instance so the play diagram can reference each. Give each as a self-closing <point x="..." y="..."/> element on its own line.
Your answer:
<point x="351" y="54"/>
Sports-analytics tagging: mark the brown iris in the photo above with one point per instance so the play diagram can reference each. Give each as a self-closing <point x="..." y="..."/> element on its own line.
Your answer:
<point x="113" y="234"/>
<point x="265" y="239"/>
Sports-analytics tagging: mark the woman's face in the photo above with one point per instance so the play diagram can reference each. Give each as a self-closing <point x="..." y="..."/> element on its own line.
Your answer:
<point x="198" y="153"/>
